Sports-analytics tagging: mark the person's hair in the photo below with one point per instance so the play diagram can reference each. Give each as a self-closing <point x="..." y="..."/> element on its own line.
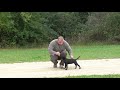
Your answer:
<point x="60" y="37"/>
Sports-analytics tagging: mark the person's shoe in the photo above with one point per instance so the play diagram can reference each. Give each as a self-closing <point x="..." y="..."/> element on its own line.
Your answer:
<point x="61" y="66"/>
<point x="55" y="66"/>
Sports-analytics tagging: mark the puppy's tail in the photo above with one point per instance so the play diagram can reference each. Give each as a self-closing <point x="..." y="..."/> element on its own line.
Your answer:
<point x="78" y="58"/>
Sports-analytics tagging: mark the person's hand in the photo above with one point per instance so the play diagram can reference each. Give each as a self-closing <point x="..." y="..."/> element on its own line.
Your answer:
<point x="57" y="53"/>
<point x="71" y="56"/>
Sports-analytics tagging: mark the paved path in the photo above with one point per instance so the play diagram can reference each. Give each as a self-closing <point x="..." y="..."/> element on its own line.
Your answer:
<point x="46" y="70"/>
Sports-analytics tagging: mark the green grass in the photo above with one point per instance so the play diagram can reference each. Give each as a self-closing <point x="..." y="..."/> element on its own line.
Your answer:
<point x="96" y="76"/>
<point x="97" y="51"/>
<point x="41" y="54"/>
<point x="23" y="55"/>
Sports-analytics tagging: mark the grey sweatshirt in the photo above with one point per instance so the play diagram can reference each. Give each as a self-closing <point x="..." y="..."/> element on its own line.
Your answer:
<point x="55" y="47"/>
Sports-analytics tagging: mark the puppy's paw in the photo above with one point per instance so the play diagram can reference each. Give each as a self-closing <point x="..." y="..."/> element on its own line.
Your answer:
<point x="75" y="67"/>
<point x="65" y="68"/>
<point x="79" y="67"/>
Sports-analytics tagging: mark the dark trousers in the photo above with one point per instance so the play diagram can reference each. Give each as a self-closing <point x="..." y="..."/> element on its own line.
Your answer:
<point x="54" y="58"/>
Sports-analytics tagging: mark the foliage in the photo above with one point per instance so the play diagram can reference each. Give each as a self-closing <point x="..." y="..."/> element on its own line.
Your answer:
<point x="18" y="29"/>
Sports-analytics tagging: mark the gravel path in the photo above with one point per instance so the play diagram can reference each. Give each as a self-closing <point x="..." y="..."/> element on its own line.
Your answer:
<point x="46" y="70"/>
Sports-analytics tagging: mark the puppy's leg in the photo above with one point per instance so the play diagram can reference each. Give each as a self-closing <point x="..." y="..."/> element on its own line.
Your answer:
<point x="79" y="66"/>
<point x="66" y="66"/>
<point x="76" y="64"/>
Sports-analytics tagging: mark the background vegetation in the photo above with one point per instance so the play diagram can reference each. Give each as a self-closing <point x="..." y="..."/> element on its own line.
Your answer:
<point x="35" y="29"/>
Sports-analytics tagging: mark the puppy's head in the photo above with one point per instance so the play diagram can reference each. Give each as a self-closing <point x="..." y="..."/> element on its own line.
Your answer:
<point x="63" y="56"/>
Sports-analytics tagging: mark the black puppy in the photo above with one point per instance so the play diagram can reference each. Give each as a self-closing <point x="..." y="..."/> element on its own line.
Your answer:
<point x="70" y="61"/>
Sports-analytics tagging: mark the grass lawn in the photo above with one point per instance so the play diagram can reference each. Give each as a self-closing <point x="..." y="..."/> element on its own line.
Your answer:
<point x="97" y="51"/>
<point x="96" y="76"/>
<point x="41" y="54"/>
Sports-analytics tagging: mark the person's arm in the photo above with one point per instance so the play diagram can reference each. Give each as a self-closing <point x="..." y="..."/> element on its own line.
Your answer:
<point x="51" y="47"/>
<point x="69" y="49"/>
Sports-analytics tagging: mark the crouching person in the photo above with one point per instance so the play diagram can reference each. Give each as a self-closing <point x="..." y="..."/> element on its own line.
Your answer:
<point x="56" y="47"/>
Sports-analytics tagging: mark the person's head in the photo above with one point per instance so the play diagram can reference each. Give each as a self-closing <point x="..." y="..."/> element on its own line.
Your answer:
<point x="60" y="40"/>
